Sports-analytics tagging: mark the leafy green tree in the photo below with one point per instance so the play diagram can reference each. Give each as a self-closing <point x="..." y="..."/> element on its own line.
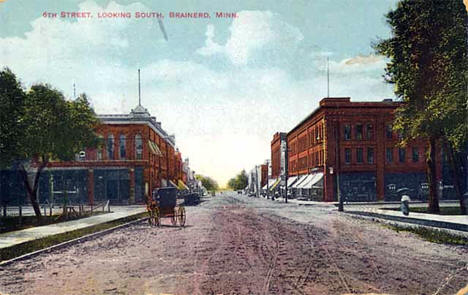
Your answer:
<point x="428" y="66"/>
<point x="41" y="126"/>
<point x="12" y="99"/>
<point x="209" y="183"/>
<point x="55" y="129"/>
<point x="239" y="182"/>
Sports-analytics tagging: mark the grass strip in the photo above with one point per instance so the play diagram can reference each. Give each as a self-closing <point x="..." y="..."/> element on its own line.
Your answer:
<point x="432" y="235"/>
<point x="31" y="246"/>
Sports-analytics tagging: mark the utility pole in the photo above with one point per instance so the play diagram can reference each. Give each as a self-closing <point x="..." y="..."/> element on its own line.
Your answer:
<point x="268" y="179"/>
<point x="139" y="90"/>
<point x="328" y="76"/>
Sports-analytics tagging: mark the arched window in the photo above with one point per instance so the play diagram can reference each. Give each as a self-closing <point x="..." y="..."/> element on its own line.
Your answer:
<point x="110" y="147"/>
<point x="123" y="153"/>
<point x="138" y="147"/>
<point x="100" y="148"/>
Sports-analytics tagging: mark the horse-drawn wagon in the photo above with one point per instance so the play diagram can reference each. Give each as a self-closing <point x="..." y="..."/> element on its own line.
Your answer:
<point x="163" y="204"/>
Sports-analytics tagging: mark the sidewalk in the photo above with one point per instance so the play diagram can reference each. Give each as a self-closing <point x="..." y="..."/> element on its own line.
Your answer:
<point x="376" y="209"/>
<point x="17" y="237"/>
<point x="452" y="222"/>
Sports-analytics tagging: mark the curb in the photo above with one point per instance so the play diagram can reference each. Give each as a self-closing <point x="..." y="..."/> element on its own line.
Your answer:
<point x="70" y="242"/>
<point x="408" y="225"/>
<point x="415" y="221"/>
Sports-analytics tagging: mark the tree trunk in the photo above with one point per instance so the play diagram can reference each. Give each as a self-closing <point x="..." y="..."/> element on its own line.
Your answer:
<point x="431" y="176"/>
<point x="455" y="175"/>
<point x="32" y="190"/>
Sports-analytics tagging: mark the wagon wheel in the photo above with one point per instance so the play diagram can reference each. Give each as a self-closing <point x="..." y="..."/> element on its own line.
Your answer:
<point x="157" y="216"/>
<point x="150" y="217"/>
<point x="181" y="216"/>
<point x="174" y="217"/>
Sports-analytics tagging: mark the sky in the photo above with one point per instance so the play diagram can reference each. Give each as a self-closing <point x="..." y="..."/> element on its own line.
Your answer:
<point x="223" y="86"/>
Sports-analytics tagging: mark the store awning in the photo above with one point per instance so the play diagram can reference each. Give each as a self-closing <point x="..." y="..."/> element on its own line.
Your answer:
<point x="291" y="180"/>
<point x="305" y="181"/>
<point x="154" y="148"/>
<point x="316" y="178"/>
<point x="171" y="183"/>
<point x="181" y="185"/>
<point x="270" y="183"/>
<point x="311" y="180"/>
<point x="299" y="180"/>
<point x="275" y="184"/>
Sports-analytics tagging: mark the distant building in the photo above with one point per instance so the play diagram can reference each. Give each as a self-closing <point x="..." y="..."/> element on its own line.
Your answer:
<point x="355" y="140"/>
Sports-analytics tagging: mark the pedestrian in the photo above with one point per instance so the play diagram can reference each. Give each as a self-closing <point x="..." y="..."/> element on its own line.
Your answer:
<point x="405" y="199"/>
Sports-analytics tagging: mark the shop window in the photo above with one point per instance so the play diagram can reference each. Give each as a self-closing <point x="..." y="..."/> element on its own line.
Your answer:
<point x="370" y="155"/>
<point x="359" y="155"/>
<point x="347" y="132"/>
<point x="347" y="156"/>
<point x="370" y="131"/>
<point x="402" y="155"/>
<point x="415" y="155"/>
<point x="389" y="155"/>
<point x="359" y="132"/>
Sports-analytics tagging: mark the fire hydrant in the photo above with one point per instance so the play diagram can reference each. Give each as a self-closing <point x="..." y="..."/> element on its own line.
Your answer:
<point x="405" y="199"/>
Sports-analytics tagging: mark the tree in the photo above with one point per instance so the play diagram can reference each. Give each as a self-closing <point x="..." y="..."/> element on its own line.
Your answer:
<point x="428" y="66"/>
<point x="207" y="182"/>
<point x="12" y="99"/>
<point x="239" y="182"/>
<point x="51" y="128"/>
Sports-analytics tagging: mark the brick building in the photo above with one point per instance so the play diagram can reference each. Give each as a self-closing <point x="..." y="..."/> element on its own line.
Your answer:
<point x="365" y="154"/>
<point x="135" y="157"/>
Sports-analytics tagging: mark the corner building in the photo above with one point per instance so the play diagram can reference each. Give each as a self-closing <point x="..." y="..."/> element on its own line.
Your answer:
<point x="354" y="140"/>
<point x="135" y="157"/>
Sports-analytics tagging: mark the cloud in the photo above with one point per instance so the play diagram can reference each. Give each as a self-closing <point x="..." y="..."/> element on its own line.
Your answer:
<point x="223" y="117"/>
<point x="251" y="33"/>
<point x="357" y="64"/>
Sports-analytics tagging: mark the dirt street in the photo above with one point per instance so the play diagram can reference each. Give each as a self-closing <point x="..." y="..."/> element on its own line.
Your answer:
<point x="233" y="244"/>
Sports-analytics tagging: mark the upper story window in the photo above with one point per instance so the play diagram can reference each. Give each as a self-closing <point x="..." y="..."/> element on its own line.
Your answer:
<point x="347" y="132"/>
<point x="138" y="147"/>
<point x="389" y="155"/>
<point x="101" y="144"/>
<point x="415" y="155"/>
<point x="122" y="144"/>
<point x="388" y="131"/>
<point x="359" y="132"/>
<point x="402" y="155"/>
<point x="347" y="156"/>
<point x="110" y="147"/>
<point x="370" y="155"/>
<point x="370" y="131"/>
<point x="359" y="155"/>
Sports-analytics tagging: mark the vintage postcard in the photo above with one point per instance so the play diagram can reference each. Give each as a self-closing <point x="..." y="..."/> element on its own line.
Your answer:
<point x="233" y="147"/>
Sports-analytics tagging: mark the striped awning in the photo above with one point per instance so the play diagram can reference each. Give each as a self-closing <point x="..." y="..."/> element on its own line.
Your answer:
<point x="314" y="180"/>
<point x="171" y="183"/>
<point x="299" y="180"/>
<point x="154" y="148"/>
<point x="275" y="184"/>
<point x="181" y="185"/>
